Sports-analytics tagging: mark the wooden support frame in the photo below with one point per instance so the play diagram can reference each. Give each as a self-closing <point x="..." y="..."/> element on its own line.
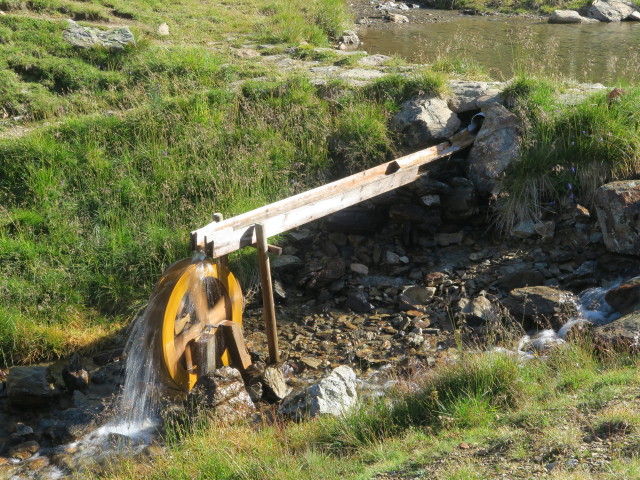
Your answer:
<point x="268" y="304"/>
<point x="222" y="237"/>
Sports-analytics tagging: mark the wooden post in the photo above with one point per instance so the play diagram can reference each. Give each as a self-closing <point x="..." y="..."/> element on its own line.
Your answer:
<point x="268" y="304"/>
<point x="205" y="353"/>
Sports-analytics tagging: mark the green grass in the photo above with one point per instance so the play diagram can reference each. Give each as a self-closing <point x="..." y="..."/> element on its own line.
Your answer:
<point x="512" y="6"/>
<point x="433" y="430"/>
<point x="568" y="151"/>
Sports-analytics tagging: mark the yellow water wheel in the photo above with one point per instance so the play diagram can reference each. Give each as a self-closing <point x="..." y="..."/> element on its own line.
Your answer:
<point x="190" y="299"/>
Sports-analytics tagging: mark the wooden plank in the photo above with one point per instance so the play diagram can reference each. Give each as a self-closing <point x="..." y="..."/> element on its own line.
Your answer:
<point x="268" y="305"/>
<point x="234" y="341"/>
<point x="221" y="238"/>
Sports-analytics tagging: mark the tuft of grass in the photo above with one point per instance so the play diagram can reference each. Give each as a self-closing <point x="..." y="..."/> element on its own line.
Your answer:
<point x="567" y="150"/>
<point x="394" y="89"/>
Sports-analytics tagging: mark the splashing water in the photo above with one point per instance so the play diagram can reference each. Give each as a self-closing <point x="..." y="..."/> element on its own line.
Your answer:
<point x="591" y="308"/>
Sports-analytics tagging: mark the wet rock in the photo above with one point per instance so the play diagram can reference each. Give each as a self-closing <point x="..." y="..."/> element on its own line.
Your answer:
<point x="396" y="18"/>
<point x="625" y="298"/>
<point x="24" y="450"/>
<point x="495" y="147"/>
<point x="74" y="375"/>
<point x="29" y="387"/>
<point x="425" y="119"/>
<point x="333" y="395"/>
<point x="622" y="333"/>
<point x="274" y="385"/>
<point x="565" y="16"/>
<point x="87" y="37"/>
<point x="416" y="298"/>
<point x="358" y="301"/>
<point x="223" y="391"/>
<point x="466" y="95"/>
<point x="163" y="29"/>
<point x="544" y="306"/>
<point x="382" y="281"/>
<point x="618" y="208"/>
<point x="611" y="10"/>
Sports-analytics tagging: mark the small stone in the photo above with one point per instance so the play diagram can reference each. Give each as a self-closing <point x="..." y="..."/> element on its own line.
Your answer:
<point x="416" y="297"/>
<point x="524" y="229"/>
<point x="359" y="268"/>
<point x="396" y="18"/>
<point x="163" y="29"/>
<point x="313" y="363"/>
<point x="24" y="450"/>
<point x="246" y="53"/>
<point x="430" y="201"/>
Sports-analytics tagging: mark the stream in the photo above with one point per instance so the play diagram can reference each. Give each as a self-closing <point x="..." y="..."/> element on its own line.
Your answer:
<point x="605" y="53"/>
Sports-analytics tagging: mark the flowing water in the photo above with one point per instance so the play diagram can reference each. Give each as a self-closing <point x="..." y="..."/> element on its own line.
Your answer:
<point x="605" y="53"/>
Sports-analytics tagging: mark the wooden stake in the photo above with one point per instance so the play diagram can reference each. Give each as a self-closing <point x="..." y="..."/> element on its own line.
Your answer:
<point x="268" y="304"/>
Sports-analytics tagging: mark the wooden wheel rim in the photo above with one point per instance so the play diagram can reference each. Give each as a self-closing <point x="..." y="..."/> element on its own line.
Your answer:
<point x="174" y="286"/>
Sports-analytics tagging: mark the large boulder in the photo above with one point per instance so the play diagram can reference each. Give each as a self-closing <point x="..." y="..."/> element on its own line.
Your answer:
<point x="425" y="120"/>
<point x="87" y="37"/>
<point x="471" y="95"/>
<point x="223" y="391"/>
<point x="621" y="333"/>
<point x="30" y="387"/>
<point x="543" y="306"/>
<point x="565" y="16"/>
<point x="495" y="147"/>
<point x="333" y="395"/>
<point x="611" y="10"/>
<point x="625" y="298"/>
<point x="618" y="208"/>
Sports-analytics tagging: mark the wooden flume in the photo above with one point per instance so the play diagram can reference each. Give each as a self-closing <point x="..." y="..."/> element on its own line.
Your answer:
<point x="197" y="305"/>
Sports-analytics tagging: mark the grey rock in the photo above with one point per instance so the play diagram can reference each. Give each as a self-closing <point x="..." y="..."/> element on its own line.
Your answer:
<point x="465" y="94"/>
<point x="349" y="37"/>
<point x="524" y="229"/>
<point x="333" y="395"/>
<point x="565" y="16"/>
<point x="223" y="391"/>
<point x="358" y="301"/>
<point x="544" y="306"/>
<point x="29" y="387"/>
<point x="359" y="268"/>
<point x="163" y="29"/>
<point x="87" y="37"/>
<point x="286" y="263"/>
<point x="416" y="298"/>
<point x="621" y="333"/>
<point x="374" y="60"/>
<point x="423" y="120"/>
<point x="479" y="309"/>
<point x="274" y="385"/>
<point x="635" y="17"/>
<point x="618" y="208"/>
<point x="611" y="10"/>
<point x="495" y="148"/>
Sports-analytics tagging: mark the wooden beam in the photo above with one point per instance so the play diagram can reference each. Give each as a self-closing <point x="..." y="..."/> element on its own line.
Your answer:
<point x="268" y="304"/>
<point x="220" y="238"/>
